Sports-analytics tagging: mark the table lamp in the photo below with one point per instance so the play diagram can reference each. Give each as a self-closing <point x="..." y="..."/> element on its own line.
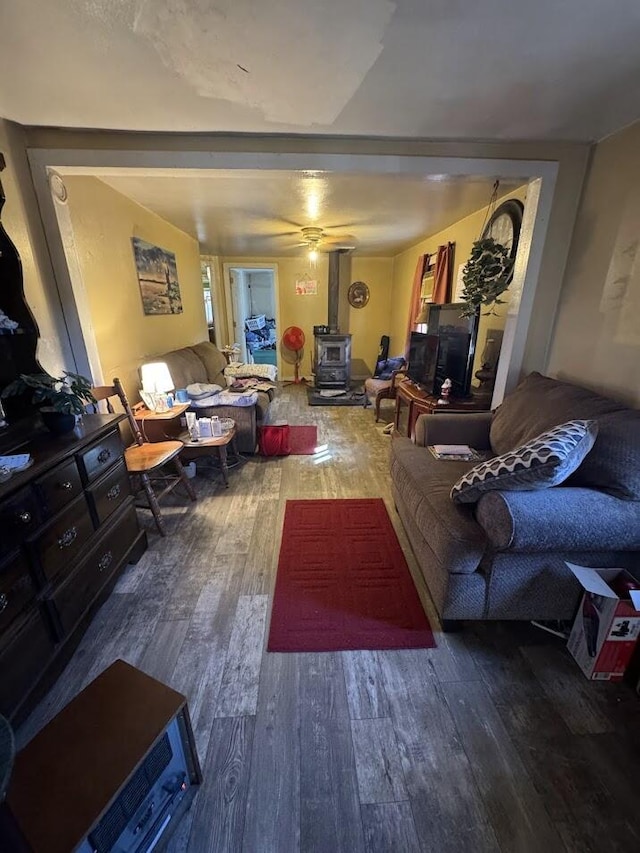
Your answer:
<point x="157" y="382"/>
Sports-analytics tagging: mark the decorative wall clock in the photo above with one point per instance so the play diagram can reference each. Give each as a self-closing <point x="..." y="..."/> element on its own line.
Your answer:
<point x="358" y="294"/>
<point x="504" y="226"/>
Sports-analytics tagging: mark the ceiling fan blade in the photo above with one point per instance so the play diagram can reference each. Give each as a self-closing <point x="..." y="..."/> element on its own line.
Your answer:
<point x="282" y="234"/>
<point x="340" y="239"/>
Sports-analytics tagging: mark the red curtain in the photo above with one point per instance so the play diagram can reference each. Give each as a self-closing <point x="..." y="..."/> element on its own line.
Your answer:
<point x="442" y="274"/>
<point x="414" y="304"/>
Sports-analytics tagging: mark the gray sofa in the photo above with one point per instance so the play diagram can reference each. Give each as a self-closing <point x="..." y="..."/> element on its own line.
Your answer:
<point x="503" y="558"/>
<point x="205" y="363"/>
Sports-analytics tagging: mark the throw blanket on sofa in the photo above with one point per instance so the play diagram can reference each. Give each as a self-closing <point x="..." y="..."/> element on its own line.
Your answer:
<point x="262" y="371"/>
<point x="226" y="398"/>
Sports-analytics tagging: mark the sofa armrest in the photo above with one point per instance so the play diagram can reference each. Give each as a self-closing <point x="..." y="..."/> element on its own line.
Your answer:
<point x="559" y="519"/>
<point x="471" y="429"/>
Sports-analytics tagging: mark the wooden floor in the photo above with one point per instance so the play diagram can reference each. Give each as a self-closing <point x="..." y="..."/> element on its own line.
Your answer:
<point x="494" y="741"/>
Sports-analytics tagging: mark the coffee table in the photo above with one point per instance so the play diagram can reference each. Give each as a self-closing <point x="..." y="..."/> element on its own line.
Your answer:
<point x="214" y="446"/>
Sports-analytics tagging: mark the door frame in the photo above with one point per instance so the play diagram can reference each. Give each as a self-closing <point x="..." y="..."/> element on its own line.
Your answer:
<point x="269" y="267"/>
<point x="525" y="345"/>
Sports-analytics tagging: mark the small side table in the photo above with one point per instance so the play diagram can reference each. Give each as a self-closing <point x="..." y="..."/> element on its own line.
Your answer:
<point x="214" y="446"/>
<point x="160" y="426"/>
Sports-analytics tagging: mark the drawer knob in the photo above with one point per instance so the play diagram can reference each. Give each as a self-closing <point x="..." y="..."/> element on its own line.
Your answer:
<point x="105" y="561"/>
<point x="113" y="492"/>
<point x="67" y="538"/>
<point x="67" y="486"/>
<point x="25" y="517"/>
<point x="104" y="455"/>
<point x="4" y="602"/>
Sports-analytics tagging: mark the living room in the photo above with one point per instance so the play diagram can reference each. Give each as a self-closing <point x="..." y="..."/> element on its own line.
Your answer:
<point x="493" y="739"/>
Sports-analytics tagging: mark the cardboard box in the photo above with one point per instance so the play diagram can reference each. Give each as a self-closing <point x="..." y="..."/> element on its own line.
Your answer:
<point x="606" y="626"/>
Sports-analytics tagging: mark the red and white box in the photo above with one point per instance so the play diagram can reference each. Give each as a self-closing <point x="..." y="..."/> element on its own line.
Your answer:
<point x="607" y="624"/>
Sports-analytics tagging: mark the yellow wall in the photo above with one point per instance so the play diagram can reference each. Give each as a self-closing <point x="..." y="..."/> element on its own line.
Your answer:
<point x="462" y="233"/>
<point x="596" y="338"/>
<point x="104" y="221"/>
<point x="366" y="324"/>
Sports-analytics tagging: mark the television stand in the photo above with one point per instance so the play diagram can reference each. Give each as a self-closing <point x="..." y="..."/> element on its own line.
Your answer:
<point x="412" y="401"/>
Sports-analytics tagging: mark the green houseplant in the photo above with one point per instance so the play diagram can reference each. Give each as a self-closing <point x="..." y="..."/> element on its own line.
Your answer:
<point x="486" y="275"/>
<point x="59" y="399"/>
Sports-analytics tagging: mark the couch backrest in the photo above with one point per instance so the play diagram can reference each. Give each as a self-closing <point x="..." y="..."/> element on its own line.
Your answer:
<point x="539" y="403"/>
<point x="213" y="360"/>
<point x="184" y="366"/>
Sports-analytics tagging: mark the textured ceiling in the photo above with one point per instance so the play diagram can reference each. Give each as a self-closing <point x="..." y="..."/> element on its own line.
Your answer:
<point x="260" y="213"/>
<point x="443" y="69"/>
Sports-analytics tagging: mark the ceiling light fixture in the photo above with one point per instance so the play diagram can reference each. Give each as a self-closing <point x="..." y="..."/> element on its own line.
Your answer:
<point x="312" y="236"/>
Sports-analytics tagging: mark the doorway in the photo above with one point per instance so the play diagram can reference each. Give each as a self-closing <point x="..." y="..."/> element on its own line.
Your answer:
<point x="252" y="306"/>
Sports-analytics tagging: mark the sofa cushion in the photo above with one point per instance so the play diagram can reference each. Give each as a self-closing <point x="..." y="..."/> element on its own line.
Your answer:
<point x="614" y="463"/>
<point x="424" y="483"/>
<point x="213" y="360"/>
<point x="545" y="461"/>
<point x="540" y="402"/>
<point x="185" y="367"/>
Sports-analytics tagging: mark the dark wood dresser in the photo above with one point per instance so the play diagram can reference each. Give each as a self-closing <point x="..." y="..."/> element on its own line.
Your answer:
<point x="68" y="527"/>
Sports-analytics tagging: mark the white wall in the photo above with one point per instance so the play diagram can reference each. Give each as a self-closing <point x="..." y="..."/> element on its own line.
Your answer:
<point x="596" y="339"/>
<point x="21" y="220"/>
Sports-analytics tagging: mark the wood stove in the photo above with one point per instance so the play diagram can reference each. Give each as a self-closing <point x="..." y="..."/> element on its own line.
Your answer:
<point x="332" y="361"/>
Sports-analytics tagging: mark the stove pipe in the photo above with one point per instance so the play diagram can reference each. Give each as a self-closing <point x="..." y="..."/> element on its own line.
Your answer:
<point x="339" y="273"/>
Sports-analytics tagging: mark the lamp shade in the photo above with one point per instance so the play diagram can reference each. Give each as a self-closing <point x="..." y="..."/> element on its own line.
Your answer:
<point x="156" y="378"/>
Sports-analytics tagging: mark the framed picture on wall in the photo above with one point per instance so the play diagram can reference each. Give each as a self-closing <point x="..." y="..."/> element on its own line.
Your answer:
<point x="157" y="277"/>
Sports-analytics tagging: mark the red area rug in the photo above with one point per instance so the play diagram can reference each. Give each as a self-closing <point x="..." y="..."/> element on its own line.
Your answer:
<point x="303" y="440"/>
<point x="343" y="582"/>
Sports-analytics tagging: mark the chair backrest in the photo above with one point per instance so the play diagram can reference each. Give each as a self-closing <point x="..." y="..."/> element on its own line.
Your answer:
<point x="135" y="429"/>
<point x="105" y="392"/>
<point x="102" y="392"/>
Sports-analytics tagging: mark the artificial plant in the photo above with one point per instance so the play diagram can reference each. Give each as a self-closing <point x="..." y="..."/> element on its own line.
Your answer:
<point x="67" y="394"/>
<point x="486" y="275"/>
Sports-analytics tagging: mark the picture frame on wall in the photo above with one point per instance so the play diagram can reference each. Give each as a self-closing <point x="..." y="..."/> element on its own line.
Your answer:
<point x="157" y="278"/>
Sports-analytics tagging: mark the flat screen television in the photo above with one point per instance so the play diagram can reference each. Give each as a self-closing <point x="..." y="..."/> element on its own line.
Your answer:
<point x="423" y="357"/>
<point x="456" y="347"/>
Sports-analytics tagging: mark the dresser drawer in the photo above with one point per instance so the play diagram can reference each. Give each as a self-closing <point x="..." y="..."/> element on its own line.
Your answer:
<point x="59" y="543"/>
<point x="77" y="592"/>
<point x="20" y="517"/>
<point x="59" y="487"/>
<point x="108" y="493"/>
<point x="95" y="460"/>
<point x="17" y="588"/>
<point x="24" y="654"/>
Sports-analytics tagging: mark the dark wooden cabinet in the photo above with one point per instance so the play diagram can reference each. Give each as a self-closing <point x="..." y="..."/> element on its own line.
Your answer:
<point x="412" y="401"/>
<point x="68" y="526"/>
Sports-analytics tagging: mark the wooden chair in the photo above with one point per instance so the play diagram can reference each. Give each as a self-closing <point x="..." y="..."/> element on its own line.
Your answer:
<point x="383" y="389"/>
<point x="145" y="459"/>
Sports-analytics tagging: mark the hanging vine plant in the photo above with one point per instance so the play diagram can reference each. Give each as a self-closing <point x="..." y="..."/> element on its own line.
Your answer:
<point x="489" y="270"/>
<point x="486" y="275"/>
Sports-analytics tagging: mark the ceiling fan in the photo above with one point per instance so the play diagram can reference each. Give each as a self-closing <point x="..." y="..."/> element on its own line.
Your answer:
<point x="316" y="240"/>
